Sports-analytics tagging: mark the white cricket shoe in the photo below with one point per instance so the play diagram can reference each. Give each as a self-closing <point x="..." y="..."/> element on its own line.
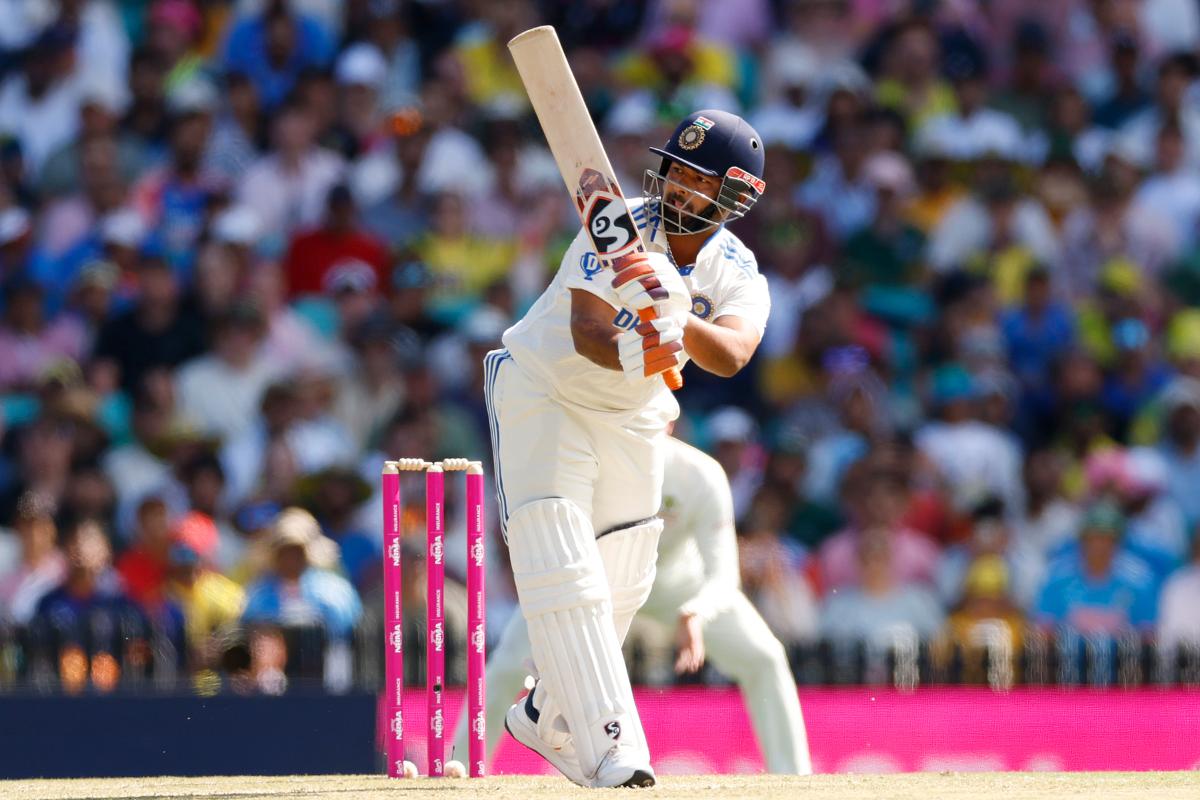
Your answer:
<point x="521" y="722"/>
<point x="623" y="766"/>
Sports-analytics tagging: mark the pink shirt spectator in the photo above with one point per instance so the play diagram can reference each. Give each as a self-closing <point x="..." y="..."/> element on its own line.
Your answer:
<point x="914" y="558"/>
<point x="26" y="357"/>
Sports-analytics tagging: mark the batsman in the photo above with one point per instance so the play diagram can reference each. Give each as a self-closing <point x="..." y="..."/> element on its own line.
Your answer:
<point x="579" y="412"/>
<point x="696" y="591"/>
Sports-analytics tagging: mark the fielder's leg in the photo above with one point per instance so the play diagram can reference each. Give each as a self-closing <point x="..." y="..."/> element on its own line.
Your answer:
<point x="741" y="646"/>
<point x="505" y="678"/>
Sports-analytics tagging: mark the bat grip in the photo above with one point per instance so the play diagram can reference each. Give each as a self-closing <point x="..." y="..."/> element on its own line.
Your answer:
<point x="671" y="377"/>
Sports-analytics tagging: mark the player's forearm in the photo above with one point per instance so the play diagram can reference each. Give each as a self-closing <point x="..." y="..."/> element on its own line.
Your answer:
<point x="720" y="350"/>
<point x="706" y="602"/>
<point x="596" y="341"/>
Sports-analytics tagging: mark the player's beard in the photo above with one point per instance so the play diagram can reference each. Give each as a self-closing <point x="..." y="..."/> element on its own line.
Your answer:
<point x="677" y="220"/>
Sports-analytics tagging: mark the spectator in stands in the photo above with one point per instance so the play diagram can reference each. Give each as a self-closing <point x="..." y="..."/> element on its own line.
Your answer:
<point x="375" y="391"/>
<point x="1037" y="330"/>
<point x="161" y="330"/>
<point x="43" y="463"/>
<point x="408" y="300"/>
<point x="1128" y="95"/>
<point x="772" y="570"/>
<point x="41" y="566"/>
<point x="1157" y="531"/>
<point x="39" y="104"/>
<point x="1096" y="592"/>
<point x="1178" y="622"/>
<point x="874" y="499"/>
<point x="910" y="82"/>
<point x="1180" y="446"/>
<point x="1169" y="194"/>
<point x="253" y="522"/>
<point x="837" y="188"/>
<point x="237" y="365"/>
<point x="1050" y="519"/>
<point x="102" y="100"/>
<point x="291" y="339"/>
<point x="143" y="566"/>
<point x="733" y="435"/>
<point x="29" y="341"/>
<point x="995" y="220"/>
<point x="1112" y="227"/>
<point x="360" y="73"/>
<point x="237" y="130"/>
<point x="210" y="602"/>
<point x="969" y="454"/>
<point x="463" y="263"/>
<point x="295" y="593"/>
<point x="1024" y="565"/>
<point x="88" y="615"/>
<point x="174" y="200"/>
<point x="274" y="47"/>
<point x="877" y="609"/>
<point x="314" y="253"/>
<point x="1171" y="102"/>
<point x="173" y="30"/>
<point x="858" y="396"/>
<point x="16" y="243"/>
<point x="336" y="496"/>
<point x="887" y="252"/>
<point x="396" y="210"/>
<point x="988" y="621"/>
<point x="289" y="186"/>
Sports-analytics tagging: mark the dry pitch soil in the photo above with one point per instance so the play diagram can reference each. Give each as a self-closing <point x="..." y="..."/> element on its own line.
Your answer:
<point x="922" y="786"/>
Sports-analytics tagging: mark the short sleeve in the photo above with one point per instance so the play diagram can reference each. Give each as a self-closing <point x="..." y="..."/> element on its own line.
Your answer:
<point x="580" y="269"/>
<point x="749" y="299"/>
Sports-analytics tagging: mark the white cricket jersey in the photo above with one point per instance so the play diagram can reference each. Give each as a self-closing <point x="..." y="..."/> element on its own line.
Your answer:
<point x="697" y="566"/>
<point x="724" y="280"/>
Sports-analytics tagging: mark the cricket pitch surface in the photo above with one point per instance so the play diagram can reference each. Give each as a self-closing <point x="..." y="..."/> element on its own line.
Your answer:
<point x="912" y="786"/>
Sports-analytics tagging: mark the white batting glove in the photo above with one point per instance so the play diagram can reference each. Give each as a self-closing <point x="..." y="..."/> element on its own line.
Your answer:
<point x="649" y="278"/>
<point x="653" y="347"/>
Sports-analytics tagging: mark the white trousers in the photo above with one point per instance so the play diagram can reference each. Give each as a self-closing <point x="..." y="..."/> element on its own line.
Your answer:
<point x="611" y="466"/>
<point x="738" y="644"/>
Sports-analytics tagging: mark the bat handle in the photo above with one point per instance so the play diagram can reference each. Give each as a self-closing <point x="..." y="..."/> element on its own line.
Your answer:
<point x="671" y="377"/>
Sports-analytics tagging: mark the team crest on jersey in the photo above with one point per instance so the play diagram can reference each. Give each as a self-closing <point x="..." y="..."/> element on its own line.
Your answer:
<point x="589" y="264"/>
<point x="613" y="729"/>
<point x="692" y="136"/>
<point x="702" y="306"/>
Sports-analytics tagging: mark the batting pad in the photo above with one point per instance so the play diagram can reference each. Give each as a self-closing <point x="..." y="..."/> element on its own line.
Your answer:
<point x="567" y="605"/>
<point x="629" y="555"/>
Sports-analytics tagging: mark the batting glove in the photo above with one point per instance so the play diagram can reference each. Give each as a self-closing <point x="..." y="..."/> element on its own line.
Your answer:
<point x="652" y="347"/>
<point x="650" y="278"/>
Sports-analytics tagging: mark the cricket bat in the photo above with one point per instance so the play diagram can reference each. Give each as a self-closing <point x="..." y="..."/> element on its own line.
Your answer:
<point x="581" y="159"/>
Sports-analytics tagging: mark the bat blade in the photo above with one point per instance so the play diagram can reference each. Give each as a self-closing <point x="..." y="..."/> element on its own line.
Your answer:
<point x="578" y="151"/>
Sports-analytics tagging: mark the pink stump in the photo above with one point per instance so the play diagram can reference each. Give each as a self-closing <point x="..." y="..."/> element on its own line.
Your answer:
<point x="435" y="653"/>
<point x="393" y="621"/>
<point x="476" y="626"/>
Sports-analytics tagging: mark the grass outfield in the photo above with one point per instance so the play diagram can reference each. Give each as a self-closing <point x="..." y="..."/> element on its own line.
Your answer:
<point x="920" y="786"/>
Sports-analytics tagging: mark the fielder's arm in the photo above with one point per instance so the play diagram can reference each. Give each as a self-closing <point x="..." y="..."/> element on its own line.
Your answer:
<point x="710" y="521"/>
<point x="722" y="346"/>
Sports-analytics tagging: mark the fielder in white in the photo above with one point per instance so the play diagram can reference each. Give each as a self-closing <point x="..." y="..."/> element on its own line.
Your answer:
<point x="696" y="592"/>
<point x="578" y="412"/>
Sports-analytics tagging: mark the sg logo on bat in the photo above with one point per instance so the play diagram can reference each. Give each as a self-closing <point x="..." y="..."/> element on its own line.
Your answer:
<point x="609" y="224"/>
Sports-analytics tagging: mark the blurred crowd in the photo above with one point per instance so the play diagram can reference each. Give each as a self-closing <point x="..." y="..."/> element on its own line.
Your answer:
<point x="250" y="249"/>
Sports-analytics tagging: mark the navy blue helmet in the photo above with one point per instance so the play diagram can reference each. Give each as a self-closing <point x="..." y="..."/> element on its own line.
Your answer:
<point x="717" y="144"/>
